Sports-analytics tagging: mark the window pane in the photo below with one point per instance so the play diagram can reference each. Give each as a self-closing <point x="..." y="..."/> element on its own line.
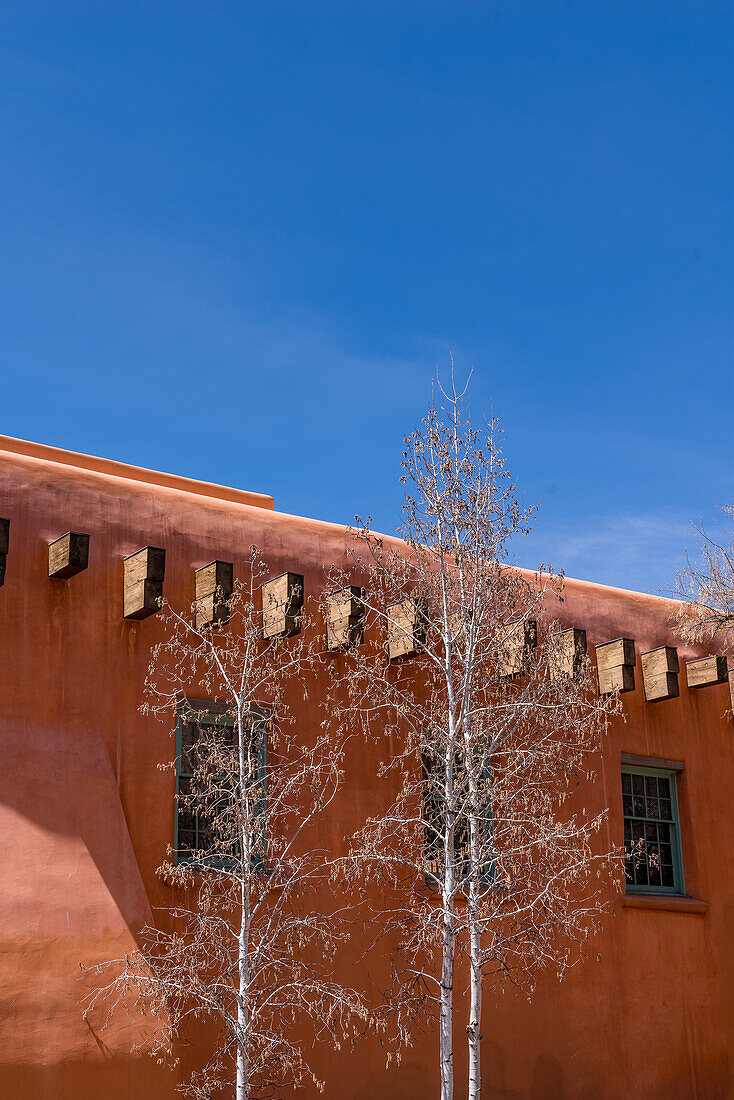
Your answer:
<point x="653" y="855"/>
<point x="666" y="858"/>
<point x="639" y="860"/>
<point x="205" y="774"/>
<point x="184" y="791"/>
<point x="434" y="820"/>
<point x="189" y="733"/>
<point x="651" y="837"/>
<point x="628" y="863"/>
<point x="205" y="834"/>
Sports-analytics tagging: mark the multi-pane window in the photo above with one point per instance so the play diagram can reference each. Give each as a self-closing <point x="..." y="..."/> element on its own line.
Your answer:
<point x="434" y="817"/>
<point x="652" y="849"/>
<point x="207" y="774"/>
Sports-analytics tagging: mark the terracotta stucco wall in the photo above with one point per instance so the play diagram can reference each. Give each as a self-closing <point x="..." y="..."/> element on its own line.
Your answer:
<point x="86" y="815"/>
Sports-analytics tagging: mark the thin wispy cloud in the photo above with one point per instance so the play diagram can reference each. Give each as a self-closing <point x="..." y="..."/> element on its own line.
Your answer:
<point x="640" y="550"/>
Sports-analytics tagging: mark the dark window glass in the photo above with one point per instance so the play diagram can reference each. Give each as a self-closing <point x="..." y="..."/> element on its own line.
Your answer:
<point x="652" y="852"/>
<point x="434" y="825"/>
<point x="206" y="768"/>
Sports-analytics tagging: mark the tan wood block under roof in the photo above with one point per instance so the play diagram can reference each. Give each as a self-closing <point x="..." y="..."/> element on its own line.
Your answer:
<point x="660" y="673"/>
<point x="282" y="604"/>
<point x="406" y="628"/>
<point x="615" y="665"/>
<point x="621" y="678"/>
<point x="706" y="670"/>
<point x="217" y="574"/>
<point x="521" y="639"/>
<point x="566" y="652"/>
<point x="344" y="616"/>
<point x="620" y="651"/>
<point x="68" y="555"/>
<point x="144" y="572"/>
<point x="213" y="586"/>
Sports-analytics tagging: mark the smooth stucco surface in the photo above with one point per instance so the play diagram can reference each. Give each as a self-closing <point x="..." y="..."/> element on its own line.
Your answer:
<point x="86" y="815"/>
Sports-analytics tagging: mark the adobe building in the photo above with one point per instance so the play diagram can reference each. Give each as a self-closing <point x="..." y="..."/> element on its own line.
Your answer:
<point x="85" y="813"/>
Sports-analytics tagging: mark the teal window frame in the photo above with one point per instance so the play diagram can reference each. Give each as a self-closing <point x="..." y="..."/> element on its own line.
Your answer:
<point x="215" y="717"/>
<point x="678" y="889"/>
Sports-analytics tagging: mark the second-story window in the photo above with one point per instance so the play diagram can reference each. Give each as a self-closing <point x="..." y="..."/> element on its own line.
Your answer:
<point x="208" y="816"/>
<point x="652" y="847"/>
<point x="434" y="820"/>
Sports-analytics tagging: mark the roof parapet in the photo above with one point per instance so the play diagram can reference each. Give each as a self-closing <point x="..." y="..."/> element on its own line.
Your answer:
<point x="111" y="468"/>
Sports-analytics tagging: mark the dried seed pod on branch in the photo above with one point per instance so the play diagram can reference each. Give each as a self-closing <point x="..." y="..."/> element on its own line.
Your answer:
<point x="249" y="944"/>
<point x="487" y="863"/>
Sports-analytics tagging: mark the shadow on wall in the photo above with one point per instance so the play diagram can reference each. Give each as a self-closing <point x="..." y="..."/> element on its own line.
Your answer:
<point x="494" y="1078"/>
<point x="411" y="1079"/>
<point x="61" y="810"/>
<point x="547" y="1079"/>
<point x="404" y="1082"/>
<point x="71" y="894"/>
<point x="114" y="1079"/>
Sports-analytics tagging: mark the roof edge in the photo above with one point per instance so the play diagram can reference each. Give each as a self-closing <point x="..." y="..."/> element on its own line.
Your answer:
<point x="111" y="468"/>
<point x="614" y="590"/>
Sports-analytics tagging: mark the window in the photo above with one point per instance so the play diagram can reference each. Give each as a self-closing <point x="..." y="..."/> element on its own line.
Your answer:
<point x="652" y="849"/>
<point x="434" y="819"/>
<point x="206" y="772"/>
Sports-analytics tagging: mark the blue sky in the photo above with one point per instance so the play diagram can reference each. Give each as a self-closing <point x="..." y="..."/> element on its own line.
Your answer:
<point x="238" y="238"/>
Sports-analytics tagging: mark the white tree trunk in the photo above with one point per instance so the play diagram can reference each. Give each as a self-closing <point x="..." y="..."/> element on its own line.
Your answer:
<point x="242" y="1092"/>
<point x="447" y="1008"/>
<point x="476" y="859"/>
<point x="475" y="1014"/>
<point x="446" y="1029"/>
<point x="243" y="942"/>
<point x="242" y="1089"/>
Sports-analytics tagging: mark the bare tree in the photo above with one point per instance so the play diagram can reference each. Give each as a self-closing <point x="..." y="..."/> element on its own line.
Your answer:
<point x="250" y="943"/>
<point x="486" y="858"/>
<point x="705" y="587"/>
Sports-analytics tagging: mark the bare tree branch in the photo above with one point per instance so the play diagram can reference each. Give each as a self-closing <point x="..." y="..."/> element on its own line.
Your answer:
<point x="250" y="945"/>
<point x="485" y="859"/>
